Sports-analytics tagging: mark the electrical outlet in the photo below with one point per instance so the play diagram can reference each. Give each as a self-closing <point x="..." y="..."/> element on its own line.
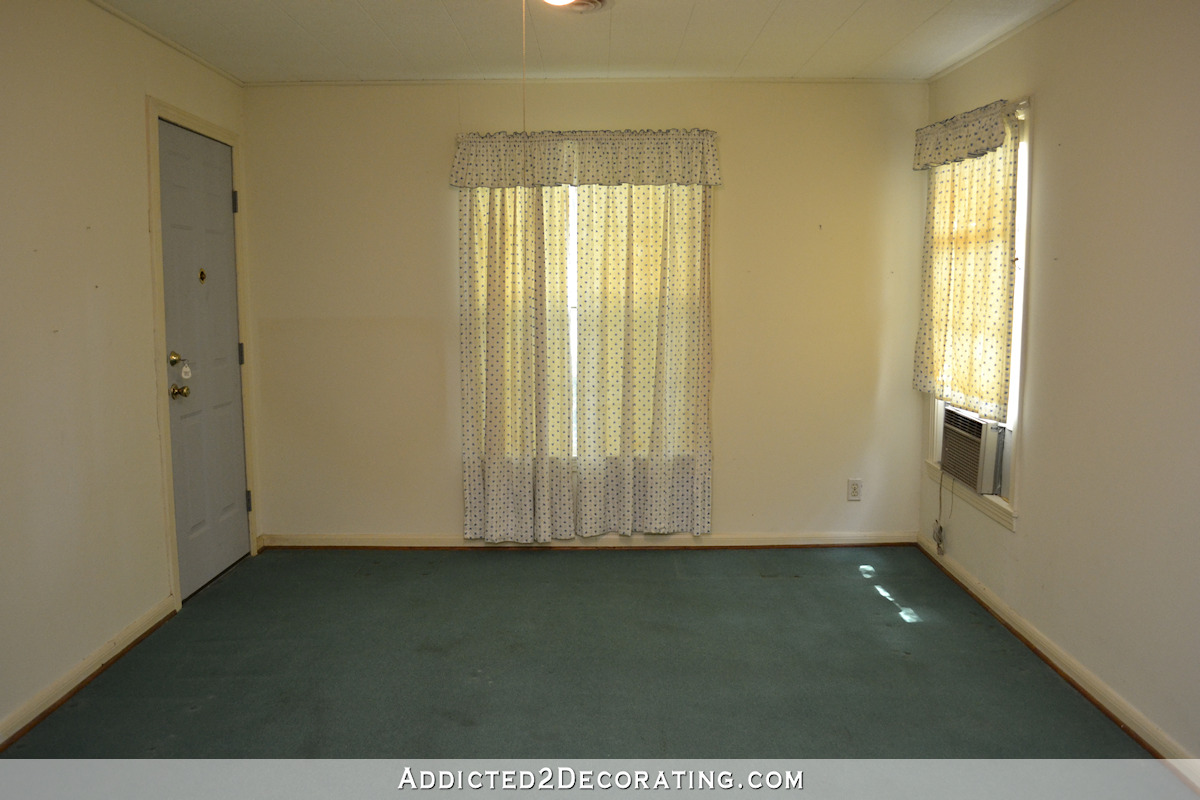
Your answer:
<point x="854" y="489"/>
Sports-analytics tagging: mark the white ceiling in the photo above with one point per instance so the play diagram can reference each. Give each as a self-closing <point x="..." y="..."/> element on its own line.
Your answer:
<point x="274" y="41"/>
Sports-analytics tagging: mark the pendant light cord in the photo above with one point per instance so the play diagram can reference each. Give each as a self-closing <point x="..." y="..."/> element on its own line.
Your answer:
<point x="524" y="127"/>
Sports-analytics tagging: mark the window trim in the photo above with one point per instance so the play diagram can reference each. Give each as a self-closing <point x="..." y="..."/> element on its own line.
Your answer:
<point x="993" y="506"/>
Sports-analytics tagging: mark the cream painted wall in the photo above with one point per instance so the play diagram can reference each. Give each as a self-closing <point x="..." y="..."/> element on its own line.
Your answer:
<point x="83" y="548"/>
<point x="354" y="335"/>
<point x="354" y="254"/>
<point x="1102" y="561"/>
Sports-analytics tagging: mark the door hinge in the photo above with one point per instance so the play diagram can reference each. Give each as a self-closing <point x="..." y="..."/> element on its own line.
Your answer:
<point x="241" y="353"/>
<point x="248" y="504"/>
<point x="235" y="201"/>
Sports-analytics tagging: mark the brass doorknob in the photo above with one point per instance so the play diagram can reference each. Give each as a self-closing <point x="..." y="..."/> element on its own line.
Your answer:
<point x="174" y="358"/>
<point x="180" y="391"/>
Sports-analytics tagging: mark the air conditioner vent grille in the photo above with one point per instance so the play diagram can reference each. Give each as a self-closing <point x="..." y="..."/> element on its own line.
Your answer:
<point x="967" y="425"/>
<point x="960" y="455"/>
<point x="973" y="451"/>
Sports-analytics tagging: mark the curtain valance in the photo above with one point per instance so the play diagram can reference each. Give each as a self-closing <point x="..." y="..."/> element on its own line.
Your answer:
<point x="967" y="135"/>
<point x="583" y="158"/>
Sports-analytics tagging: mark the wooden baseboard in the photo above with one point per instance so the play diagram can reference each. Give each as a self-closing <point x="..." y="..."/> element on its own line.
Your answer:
<point x="16" y="724"/>
<point x="1120" y="710"/>
<point x="641" y="540"/>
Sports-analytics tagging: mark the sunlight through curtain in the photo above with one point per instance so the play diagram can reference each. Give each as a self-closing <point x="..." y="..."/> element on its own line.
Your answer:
<point x="963" y="351"/>
<point x="516" y="391"/>
<point x="644" y="354"/>
<point x="643" y="458"/>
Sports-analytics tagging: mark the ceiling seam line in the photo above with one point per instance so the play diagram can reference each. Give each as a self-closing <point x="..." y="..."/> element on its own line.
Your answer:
<point x="757" y="36"/>
<point x="832" y="34"/>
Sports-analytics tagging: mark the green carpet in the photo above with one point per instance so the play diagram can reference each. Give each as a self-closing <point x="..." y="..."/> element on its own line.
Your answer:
<point x="767" y="653"/>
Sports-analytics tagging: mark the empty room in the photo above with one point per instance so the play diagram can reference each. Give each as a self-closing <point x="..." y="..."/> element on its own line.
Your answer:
<point x="445" y="452"/>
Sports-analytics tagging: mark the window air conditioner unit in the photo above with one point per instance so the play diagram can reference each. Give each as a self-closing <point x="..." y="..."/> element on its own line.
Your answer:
<point x="972" y="450"/>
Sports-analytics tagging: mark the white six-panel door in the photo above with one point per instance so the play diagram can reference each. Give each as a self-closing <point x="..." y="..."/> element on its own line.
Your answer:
<point x="203" y="373"/>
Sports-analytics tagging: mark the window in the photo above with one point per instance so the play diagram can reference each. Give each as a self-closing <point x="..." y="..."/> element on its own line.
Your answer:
<point x="969" y="341"/>
<point x="584" y="333"/>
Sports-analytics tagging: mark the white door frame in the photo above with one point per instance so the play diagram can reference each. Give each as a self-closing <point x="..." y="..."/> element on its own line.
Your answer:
<point x="156" y="110"/>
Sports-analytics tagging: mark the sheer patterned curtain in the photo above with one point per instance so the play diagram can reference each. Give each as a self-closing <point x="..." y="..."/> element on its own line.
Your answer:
<point x="963" y="351"/>
<point x="516" y="391"/>
<point x="643" y="459"/>
<point x="644" y="359"/>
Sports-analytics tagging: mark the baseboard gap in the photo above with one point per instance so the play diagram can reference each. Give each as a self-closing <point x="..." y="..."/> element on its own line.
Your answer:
<point x="449" y="541"/>
<point x="573" y="548"/>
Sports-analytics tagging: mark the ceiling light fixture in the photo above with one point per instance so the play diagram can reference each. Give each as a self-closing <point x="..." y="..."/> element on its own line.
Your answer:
<point x="579" y="5"/>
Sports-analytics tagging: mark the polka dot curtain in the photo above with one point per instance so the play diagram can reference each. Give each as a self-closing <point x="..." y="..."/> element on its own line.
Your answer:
<point x="581" y="158"/>
<point x="644" y="359"/>
<point x="514" y="341"/>
<point x="963" y="349"/>
<point x="626" y="446"/>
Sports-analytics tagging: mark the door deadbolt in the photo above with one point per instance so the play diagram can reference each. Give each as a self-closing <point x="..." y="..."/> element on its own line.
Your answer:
<point x="179" y="391"/>
<point x="174" y="358"/>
